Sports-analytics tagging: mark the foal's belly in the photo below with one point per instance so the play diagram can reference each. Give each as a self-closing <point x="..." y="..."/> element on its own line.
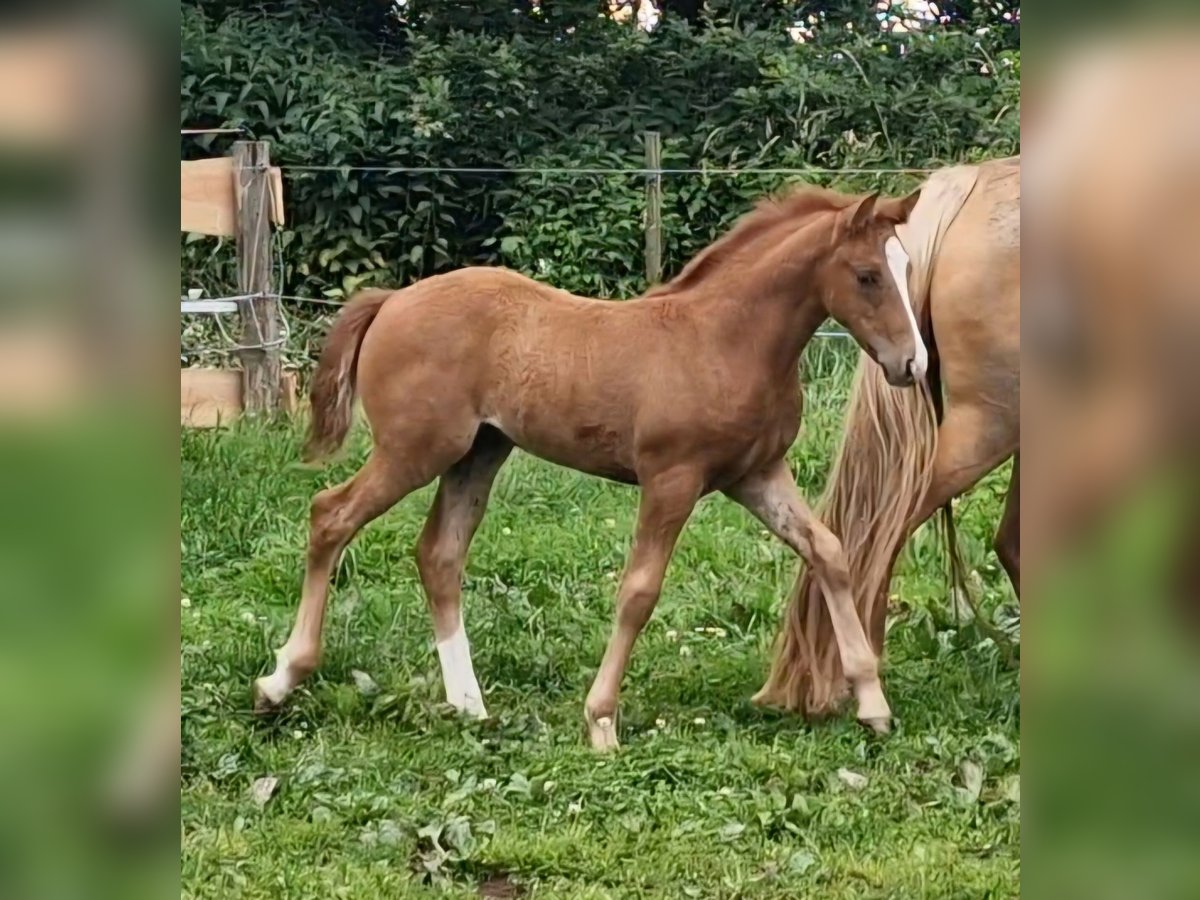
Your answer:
<point x="600" y="449"/>
<point x="594" y="448"/>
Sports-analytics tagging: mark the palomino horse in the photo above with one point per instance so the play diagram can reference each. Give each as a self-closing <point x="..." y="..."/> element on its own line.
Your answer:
<point x="1111" y="365"/>
<point x="685" y="391"/>
<point x="906" y="454"/>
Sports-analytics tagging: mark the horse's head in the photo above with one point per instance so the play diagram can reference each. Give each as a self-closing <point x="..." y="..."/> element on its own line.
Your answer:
<point x="864" y="285"/>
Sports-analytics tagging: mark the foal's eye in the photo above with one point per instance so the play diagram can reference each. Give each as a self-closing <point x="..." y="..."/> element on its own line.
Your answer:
<point x="867" y="277"/>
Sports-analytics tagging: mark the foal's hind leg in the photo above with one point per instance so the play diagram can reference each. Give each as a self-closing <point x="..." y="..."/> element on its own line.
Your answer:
<point x="458" y="508"/>
<point x="772" y="496"/>
<point x="337" y="514"/>
<point x="407" y="455"/>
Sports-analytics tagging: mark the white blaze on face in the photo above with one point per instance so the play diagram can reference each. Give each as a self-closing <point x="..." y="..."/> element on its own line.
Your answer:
<point x="458" y="675"/>
<point x="897" y="260"/>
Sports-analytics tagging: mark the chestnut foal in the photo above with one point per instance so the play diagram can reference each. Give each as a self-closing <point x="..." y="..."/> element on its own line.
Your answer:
<point x="687" y="390"/>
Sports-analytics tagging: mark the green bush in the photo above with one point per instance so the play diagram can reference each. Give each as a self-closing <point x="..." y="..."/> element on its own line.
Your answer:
<point x="333" y="97"/>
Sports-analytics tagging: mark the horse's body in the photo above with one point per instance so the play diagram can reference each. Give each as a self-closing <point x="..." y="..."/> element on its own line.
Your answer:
<point x="906" y="454"/>
<point x="573" y="401"/>
<point x="688" y="390"/>
<point x="1111" y="365"/>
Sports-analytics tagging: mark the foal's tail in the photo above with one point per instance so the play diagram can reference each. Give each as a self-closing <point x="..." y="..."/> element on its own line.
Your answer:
<point x="883" y="469"/>
<point x="332" y="394"/>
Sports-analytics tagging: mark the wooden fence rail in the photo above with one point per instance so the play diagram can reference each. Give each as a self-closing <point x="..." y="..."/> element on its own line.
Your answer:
<point x="239" y="196"/>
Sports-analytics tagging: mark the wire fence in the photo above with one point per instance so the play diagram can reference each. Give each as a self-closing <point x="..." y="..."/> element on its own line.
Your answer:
<point x="717" y="171"/>
<point x="216" y="340"/>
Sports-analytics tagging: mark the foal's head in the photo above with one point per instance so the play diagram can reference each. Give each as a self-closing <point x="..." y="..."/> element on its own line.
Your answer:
<point x="863" y="283"/>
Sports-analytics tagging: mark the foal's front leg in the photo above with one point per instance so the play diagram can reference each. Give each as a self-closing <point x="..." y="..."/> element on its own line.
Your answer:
<point x="773" y="497"/>
<point x="667" y="501"/>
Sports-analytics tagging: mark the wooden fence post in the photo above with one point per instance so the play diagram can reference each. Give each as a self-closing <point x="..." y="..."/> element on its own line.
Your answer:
<point x="653" y="207"/>
<point x="260" y="331"/>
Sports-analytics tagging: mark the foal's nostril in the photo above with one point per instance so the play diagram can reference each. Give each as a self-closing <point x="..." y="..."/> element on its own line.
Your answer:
<point x="909" y="368"/>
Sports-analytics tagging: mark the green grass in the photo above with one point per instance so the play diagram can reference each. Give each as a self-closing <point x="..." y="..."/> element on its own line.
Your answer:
<point x="387" y="794"/>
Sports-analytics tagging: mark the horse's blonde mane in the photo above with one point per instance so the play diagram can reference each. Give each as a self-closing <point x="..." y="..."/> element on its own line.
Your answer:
<point x="768" y="214"/>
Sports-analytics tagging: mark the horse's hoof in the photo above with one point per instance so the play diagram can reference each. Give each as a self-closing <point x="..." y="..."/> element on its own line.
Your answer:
<point x="765" y="699"/>
<point x="472" y="708"/>
<point x="264" y="704"/>
<point x="879" y="725"/>
<point x="603" y="734"/>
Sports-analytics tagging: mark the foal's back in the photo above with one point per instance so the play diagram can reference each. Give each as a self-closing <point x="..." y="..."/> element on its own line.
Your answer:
<point x="484" y="306"/>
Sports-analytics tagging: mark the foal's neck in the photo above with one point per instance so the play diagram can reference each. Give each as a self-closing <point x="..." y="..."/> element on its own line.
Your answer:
<point x="768" y="308"/>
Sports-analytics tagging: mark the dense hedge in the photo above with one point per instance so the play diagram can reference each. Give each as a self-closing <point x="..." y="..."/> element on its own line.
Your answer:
<point x="722" y="95"/>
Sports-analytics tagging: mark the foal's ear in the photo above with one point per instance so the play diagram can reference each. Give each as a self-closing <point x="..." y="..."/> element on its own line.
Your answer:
<point x="897" y="209"/>
<point x="859" y="214"/>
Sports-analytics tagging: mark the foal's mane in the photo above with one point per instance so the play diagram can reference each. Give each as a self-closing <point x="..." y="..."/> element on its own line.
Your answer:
<point x="767" y="214"/>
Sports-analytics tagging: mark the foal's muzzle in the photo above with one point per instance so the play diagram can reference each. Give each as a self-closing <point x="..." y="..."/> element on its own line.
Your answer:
<point x="901" y="371"/>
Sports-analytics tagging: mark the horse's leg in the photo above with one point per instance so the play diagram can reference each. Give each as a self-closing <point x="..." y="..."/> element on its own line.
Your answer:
<point x="970" y="444"/>
<point x="667" y="501"/>
<point x="1008" y="536"/>
<point x="408" y="455"/>
<point x="773" y="497"/>
<point x="458" y="509"/>
<point x="336" y="515"/>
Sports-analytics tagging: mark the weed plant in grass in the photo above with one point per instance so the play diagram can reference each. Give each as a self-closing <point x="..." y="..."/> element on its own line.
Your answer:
<point x="382" y="792"/>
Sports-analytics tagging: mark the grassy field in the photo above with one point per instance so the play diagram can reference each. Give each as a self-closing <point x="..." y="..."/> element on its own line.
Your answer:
<point x="382" y="792"/>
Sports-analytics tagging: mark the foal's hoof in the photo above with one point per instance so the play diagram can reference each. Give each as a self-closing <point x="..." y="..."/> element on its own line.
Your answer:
<point x="603" y="734"/>
<point x="264" y="704"/>
<point x="472" y="707"/>
<point x="879" y="725"/>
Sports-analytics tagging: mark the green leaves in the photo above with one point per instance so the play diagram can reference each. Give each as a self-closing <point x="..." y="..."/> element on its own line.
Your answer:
<point x="731" y="831"/>
<point x="733" y="93"/>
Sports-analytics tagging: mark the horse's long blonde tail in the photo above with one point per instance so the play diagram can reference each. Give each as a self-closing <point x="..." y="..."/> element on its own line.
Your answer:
<point x="883" y="469"/>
